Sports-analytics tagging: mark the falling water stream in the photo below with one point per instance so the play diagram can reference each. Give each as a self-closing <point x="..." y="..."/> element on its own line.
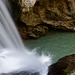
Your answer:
<point x="14" y="57"/>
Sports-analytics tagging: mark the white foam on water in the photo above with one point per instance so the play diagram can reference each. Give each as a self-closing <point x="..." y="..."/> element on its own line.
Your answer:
<point x="14" y="57"/>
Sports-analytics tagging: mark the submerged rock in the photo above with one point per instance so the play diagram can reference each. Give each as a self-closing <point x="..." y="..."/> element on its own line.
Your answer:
<point x="54" y="14"/>
<point x="64" y="66"/>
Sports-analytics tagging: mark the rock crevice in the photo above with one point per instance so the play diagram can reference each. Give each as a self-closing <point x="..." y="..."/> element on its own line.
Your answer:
<point x="59" y="14"/>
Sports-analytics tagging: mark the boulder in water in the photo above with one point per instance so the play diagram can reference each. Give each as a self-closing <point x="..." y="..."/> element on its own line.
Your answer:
<point x="64" y="66"/>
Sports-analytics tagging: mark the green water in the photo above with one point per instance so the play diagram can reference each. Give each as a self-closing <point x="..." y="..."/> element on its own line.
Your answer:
<point x="58" y="44"/>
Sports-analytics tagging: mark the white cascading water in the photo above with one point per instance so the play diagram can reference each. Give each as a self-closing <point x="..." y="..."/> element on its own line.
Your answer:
<point x="14" y="57"/>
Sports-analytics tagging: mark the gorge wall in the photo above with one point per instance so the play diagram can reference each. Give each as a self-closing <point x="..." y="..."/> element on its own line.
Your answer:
<point x="44" y="15"/>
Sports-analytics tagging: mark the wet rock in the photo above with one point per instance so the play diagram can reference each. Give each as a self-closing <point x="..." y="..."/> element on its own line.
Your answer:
<point x="21" y="73"/>
<point x="57" y="14"/>
<point x="30" y="31"/>
<point x="22" y="30"/>
<point x="37" y="31"/>
<point x="64" y="66"/>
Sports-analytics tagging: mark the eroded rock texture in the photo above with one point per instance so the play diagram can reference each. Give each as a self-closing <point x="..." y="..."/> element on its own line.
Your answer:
<point x="46" y="15"/>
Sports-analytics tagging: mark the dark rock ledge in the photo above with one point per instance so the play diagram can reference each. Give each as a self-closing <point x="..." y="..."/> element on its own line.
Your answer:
<point x="44" y="16"/>
<point x="64" y="66"/>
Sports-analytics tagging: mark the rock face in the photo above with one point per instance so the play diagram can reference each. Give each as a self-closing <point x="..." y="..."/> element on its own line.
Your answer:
<point x="65" y="66"/>
<point x="45" y="15"/>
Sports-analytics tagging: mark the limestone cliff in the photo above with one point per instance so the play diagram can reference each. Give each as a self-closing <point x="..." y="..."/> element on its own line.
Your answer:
<point x="45" y="15"/>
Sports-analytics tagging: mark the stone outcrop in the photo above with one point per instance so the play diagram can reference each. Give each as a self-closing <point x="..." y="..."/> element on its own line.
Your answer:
<point x="64" y="66"/>
<point x="45" y="15"/>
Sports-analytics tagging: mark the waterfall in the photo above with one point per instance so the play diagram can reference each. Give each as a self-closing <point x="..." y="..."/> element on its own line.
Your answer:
<point x="14" y="57"/>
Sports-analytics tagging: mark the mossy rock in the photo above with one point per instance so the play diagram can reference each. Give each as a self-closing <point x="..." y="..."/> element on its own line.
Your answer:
<point x="64" y="66"/>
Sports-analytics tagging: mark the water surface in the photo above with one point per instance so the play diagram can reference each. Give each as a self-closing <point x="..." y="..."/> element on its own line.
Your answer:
<point x="58" y="44"/>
